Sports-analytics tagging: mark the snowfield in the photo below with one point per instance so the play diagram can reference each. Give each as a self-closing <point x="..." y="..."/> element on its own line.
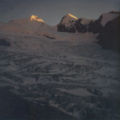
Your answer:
<point x="70" y="72"/>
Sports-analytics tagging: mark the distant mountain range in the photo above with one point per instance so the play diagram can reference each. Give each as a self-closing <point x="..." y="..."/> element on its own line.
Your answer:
<point x="106" y="26"/>
<point x="74" y="24"/>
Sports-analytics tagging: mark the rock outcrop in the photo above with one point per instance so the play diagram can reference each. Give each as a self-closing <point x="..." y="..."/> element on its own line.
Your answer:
<point x="83" y="25"/>
<point x="67" y="23"/>
<point x="109" y="37"/>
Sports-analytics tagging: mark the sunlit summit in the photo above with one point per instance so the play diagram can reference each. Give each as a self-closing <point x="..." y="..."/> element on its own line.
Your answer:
<point x="36" y="18"/>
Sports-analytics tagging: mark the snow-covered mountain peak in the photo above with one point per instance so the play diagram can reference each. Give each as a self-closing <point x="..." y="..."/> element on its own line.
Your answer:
<point x="68" y="19"/>
<point x="36" y="19"/>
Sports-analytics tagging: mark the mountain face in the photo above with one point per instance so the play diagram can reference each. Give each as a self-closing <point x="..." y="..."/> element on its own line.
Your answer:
<point x="67" y="23"/>
<point x="85" y="25"/>
<point x="107" y="17"/>
<point x="82" y="25"/>
<point x="71" y="23"/>
<point x="98" y="25"/>
<point x="109" y="37"/>
<point x="107" y="26"/>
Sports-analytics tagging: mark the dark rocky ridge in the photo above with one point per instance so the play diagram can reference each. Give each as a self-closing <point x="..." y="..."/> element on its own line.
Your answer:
<point x="95" y="26"/>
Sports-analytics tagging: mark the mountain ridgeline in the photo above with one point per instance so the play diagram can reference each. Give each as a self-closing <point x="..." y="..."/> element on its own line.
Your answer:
<point x="69" y="23"/>
<point x="106" y="27"/>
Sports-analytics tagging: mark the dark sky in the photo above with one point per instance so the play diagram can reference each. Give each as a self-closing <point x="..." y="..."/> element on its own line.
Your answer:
<point x="53" y="10"/>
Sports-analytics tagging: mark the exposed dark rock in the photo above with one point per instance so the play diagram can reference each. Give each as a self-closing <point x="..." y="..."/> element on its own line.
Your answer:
<point x="67" y="23"/>
<point x="63" y="28"/>
<point x="49" y="36"/>
<point x="95" y="26"/>
<point x="80" y="27"/>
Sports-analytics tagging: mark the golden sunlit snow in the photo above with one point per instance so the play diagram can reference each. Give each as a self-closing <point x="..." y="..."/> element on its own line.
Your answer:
<point x="36" y="18"/>
<point x="69" y="14"/>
